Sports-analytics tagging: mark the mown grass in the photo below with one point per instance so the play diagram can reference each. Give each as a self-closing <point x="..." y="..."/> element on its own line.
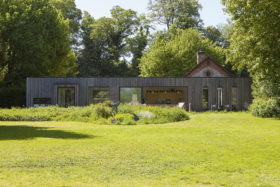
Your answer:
<point x="215" y="149"/>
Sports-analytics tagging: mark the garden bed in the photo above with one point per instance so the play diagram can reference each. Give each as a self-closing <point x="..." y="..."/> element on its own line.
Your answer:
<point x="100" y="113"/>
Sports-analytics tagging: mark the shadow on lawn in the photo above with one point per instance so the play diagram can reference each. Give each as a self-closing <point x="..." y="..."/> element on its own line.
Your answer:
<point x="29" y="132"/>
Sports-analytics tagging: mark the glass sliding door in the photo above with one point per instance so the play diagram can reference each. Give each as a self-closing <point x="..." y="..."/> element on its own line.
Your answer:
<point x="66" y="97"/>
<point x="98" y="94"/>
<point x="131" y="95"/>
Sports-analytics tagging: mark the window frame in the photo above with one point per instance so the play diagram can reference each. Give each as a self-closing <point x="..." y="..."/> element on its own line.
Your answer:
<point x="91" y="88"/>
<point x="236" y="96"/>
<point x="219" y="97"/>
<point x="203" y="107"/>
<point x="141" y="95"/>
<point x="65" y="85"/>
<point x="42" y="104"/>
<point x="66" y="88"/>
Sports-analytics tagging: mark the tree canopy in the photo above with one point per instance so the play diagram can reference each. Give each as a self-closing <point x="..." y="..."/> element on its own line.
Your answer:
<point x="175" y="55"/>
<point x="73" y="15"/>
<point x="34" y="41"/>
<point x="182" y="14"/>
<point x="110" y="42"/>
<point x="255" y="43"/>
<point x="214" y="34"/>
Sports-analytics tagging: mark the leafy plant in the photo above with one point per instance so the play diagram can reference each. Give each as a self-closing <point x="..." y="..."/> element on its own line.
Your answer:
<point x="102" y="113"/>
<point x="123" y="119"/>
<point x="266" y="107"/>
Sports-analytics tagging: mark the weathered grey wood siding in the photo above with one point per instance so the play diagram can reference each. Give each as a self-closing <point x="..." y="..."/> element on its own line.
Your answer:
<point x="45" y="88"/>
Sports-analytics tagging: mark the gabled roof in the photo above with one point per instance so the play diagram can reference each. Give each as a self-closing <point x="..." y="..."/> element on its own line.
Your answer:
<point x="206" y="62"/>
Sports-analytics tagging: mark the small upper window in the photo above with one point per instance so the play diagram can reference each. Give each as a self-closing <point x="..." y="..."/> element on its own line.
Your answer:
<point x="208" y="73"/>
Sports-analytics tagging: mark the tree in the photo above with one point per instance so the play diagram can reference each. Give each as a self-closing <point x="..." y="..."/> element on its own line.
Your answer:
<point x="181" y="13"/>
<point x="214" y="34"/>
<point x="90" y="60"/>
<point x="73" y="15"/>
<point x="110" y="42"/>
<point x="255" y="44"/>
<point x="175" y="55"/>
<point x="138" y="43"/>
<point x="35" y="41"/>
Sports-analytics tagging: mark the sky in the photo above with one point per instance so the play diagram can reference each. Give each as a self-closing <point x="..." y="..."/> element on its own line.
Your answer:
<point x="211" y="13"/>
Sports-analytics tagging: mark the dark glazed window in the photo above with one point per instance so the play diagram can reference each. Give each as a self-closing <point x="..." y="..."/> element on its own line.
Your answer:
<point x="41" y="102"/>
<point x="220" y="97"/>
<point x="234" y="98"/>
<point x="130" y="95"/>
<point x="205" y="98"/>
<point x="208" y="73"/>
<point x="98" y="95"/>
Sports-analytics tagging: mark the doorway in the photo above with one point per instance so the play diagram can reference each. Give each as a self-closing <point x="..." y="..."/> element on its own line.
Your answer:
<point x="66" y="97"/>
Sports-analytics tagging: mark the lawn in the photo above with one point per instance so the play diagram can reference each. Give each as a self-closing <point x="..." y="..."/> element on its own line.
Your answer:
<point x="215" y="149"/>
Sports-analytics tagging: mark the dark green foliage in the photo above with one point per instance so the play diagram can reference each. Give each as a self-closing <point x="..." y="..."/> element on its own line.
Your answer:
<point x="12" y="97"/>
<point x="215" y="35"/>
<point x="34" y="40"/>
<point x="74" y="15"/>
<point x="109" y="43"/>
<point x="266" y="108"/>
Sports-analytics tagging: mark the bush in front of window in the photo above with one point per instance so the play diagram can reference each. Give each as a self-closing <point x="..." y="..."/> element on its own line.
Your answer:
<point x="103" y="110"/>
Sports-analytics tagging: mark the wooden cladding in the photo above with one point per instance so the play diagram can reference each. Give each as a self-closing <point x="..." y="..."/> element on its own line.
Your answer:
<point x="47" y="88"/>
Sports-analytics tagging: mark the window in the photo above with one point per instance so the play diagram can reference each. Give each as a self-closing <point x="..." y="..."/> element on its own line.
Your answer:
<point x="66" y="96"/>
<point x="234" y="98"/>
<point x="37" y="102"/>
<point x="208" y="73"/>
<point x="205" y="98"/>
<point x="164" y="95"/>
<point x="130" y="95"/>
<point x="220" y="98"/>
<point x="98" y="95"/>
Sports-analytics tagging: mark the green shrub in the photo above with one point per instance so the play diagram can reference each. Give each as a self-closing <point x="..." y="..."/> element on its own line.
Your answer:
<point x="21" y="115"/>
<point x="12" y="97"/>
<point x="103" y="111"/>
<point x="99" y="114"/>
<point x="266" y="108"/>
<point x="123" y="119"/>
<point x="154" y="114"/>
<point x="108" y="103"/>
